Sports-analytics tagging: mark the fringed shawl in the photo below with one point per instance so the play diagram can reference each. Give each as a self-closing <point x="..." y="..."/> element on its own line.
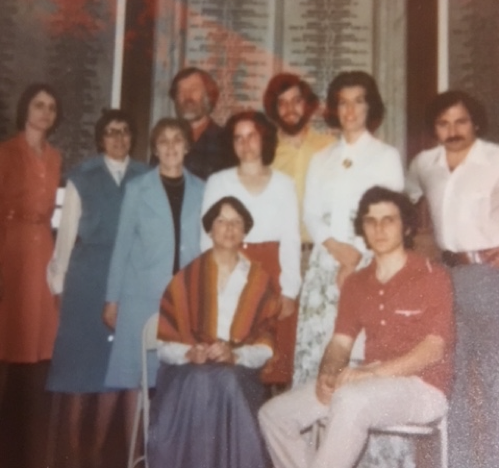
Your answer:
<point x="189" y="309"/>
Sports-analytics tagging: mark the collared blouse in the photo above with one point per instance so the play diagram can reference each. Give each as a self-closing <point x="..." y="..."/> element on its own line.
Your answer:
<point x="337" y="178"/>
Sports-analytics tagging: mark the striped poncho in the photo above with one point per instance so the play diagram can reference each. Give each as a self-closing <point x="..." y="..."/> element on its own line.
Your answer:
<point x="189" y="310"/>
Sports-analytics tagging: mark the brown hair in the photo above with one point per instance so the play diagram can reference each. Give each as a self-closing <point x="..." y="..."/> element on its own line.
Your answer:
<point x="373" y="98"/>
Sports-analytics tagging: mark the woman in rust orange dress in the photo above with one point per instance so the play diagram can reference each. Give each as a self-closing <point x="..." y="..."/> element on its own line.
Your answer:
<point x="29" y="177"/>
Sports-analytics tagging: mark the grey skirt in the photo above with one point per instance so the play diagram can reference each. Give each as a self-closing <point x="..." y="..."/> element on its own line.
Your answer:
<point x="205" y="416"/>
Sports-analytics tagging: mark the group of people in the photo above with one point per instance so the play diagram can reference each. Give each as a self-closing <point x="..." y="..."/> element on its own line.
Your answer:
<point x="216" y="236"/>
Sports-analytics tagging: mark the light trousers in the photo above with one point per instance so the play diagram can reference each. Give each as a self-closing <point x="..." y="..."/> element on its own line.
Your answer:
<point x="354" y="409"/>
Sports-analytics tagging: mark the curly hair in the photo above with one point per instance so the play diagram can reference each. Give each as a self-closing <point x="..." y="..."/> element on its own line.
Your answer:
<point x="444" y="101"/>
<point x="408" y="212"/>
<point x="281" y="83"/>
<point x="266" y="129"/>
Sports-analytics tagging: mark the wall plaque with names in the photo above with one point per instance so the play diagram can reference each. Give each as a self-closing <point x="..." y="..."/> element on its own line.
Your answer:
<point x="473" y="56"/>
<point x="243" y="44"/>
<point x="324" y="37"/>
<point x="234" y="41"/>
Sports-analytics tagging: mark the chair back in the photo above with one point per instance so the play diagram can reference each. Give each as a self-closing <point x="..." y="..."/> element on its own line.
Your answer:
<point x="150" y="333"/>
<point x="149" y="343"/>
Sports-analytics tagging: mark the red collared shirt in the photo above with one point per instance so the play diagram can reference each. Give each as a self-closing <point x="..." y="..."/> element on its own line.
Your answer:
<point x="399" y="314"/>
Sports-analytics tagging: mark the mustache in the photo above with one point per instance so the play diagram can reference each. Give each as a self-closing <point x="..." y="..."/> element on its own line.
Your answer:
<point x="454" y="139"/>
<point x="188" y="101"/>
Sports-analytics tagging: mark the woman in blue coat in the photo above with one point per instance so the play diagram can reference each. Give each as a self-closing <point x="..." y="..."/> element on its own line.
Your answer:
<point x="158" y="233"/>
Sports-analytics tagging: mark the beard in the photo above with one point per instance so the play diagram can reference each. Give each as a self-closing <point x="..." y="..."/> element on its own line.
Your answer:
<point x="293" y="128"/>
<point x="191" y="110"/>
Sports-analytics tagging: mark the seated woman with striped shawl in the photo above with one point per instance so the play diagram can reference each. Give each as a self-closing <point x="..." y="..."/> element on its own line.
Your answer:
<point x="216" y="325"/>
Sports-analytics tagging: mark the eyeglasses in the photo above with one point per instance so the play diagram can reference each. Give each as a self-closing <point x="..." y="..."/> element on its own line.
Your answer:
<point x="236" y="223"/>
<point x="116" y="132"/>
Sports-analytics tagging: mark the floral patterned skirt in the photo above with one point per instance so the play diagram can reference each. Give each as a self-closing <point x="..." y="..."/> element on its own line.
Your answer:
<point x="317" y="314"/>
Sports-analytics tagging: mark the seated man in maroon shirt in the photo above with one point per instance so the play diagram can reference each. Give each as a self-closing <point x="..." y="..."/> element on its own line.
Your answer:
<point x="404" y="303"/>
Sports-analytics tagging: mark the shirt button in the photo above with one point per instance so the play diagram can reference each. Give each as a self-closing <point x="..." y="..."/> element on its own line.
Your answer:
<point x="381" y="292"/>
<point x="381" y="306"/>
<point x="383" y="322"/>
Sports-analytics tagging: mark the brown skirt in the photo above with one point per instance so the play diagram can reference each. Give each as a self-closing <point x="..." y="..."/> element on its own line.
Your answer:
<point x="279" y="369"/>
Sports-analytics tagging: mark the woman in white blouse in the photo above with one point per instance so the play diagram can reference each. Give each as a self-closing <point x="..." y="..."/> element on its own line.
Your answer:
<point x="337" y="177"/>
<point x="274" y="241"/>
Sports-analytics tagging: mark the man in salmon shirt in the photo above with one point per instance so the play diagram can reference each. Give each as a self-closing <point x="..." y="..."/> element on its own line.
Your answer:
<point x="404" y="303"/>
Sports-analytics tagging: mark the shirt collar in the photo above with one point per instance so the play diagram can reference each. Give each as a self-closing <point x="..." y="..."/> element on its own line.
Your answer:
<point x="476" y="155"/>
<point x="243" y="263"/>
<point x="371" y="268"/>
<point x="115" y="165"/>
<point x="241" y="270"/>
<point x="363" y="140"/>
